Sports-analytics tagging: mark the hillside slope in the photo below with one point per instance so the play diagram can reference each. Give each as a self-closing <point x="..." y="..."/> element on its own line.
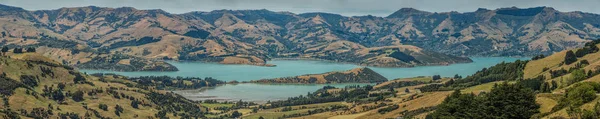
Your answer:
<point x="34" y="86"/>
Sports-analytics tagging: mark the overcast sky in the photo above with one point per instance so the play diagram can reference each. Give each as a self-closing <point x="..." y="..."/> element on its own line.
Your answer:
<point x="344" y="7"/>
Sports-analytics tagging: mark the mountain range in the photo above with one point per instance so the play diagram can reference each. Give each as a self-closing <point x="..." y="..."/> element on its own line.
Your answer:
<point x="101" y="38"/>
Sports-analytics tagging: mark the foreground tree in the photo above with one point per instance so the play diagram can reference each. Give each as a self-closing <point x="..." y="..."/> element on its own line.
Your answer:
<point x="504" y="101"/>
<point x="510" y="102"/>
<point x="457" y="105"/>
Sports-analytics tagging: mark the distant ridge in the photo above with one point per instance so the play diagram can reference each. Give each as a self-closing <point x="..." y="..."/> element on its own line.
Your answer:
<point x="406" y="38"/>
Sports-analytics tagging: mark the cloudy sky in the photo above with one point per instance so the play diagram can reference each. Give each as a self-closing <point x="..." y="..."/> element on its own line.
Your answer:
<point x="344" y="7"/>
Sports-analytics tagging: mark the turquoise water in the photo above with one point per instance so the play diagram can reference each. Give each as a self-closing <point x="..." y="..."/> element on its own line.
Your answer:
<point x="285" y="68"/>
<point x="254" y="92"/>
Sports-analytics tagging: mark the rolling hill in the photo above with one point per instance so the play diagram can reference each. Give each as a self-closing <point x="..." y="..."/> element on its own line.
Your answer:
<point x="34" y="86"/>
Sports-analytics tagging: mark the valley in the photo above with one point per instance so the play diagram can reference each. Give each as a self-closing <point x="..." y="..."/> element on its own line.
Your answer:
<point x="417" y="97"/>
<point x="103" y="62"/>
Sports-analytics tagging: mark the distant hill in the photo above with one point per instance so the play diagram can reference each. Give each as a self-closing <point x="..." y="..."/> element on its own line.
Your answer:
<point x="82" y="34"/>
<point x="357" y="75"/>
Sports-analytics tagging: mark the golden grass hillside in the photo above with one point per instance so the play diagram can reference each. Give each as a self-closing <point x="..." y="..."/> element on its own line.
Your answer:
<point x="39" y="88"/>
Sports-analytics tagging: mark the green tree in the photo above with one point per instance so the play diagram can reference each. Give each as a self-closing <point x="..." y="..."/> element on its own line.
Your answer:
<point x="78" y="96"/>
<point x="58" y="95"/>
<point x="456" y="76"/>
<point x="589" y="114"/>
<point x="30" y="49"/>
<point x="554" y="85"/>
<point x="570" y="57"/>
<point x="118" y="110"/>
<point x="134" y="104"/>
<point x="236" y="114"/>
<point x="517" y="102"/>
<point x="545" y="87"/>
<point x="4" y="49"/>
<point x="577" y="75"/>
<point x="457" y="105"/>
<point x="103" y="107"/>
<point x="581" y="94"/>
<point x="504" y="101"/>
<point x="436" y="77"/>
<point x="17" y="50"/>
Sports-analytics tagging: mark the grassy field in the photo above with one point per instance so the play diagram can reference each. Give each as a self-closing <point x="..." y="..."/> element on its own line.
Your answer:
<point x="534" y="68"/>
<point x="15" y="68"/>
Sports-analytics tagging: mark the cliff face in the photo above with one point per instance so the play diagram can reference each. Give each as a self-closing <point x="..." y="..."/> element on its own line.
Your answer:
<point x="358" y="75"/>
<point x="254" y="36"/>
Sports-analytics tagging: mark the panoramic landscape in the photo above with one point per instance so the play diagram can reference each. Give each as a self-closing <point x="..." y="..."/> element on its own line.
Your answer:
<point x="236" y="59"/>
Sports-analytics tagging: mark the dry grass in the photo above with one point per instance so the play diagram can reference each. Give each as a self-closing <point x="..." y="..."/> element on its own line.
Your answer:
<point x="535" y="68"/>
<point x="14" y="68"/>
<point x="546" y="101"/>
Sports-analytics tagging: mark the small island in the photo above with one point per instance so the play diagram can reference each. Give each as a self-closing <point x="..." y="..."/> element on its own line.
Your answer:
<point x="357" y="75"/>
